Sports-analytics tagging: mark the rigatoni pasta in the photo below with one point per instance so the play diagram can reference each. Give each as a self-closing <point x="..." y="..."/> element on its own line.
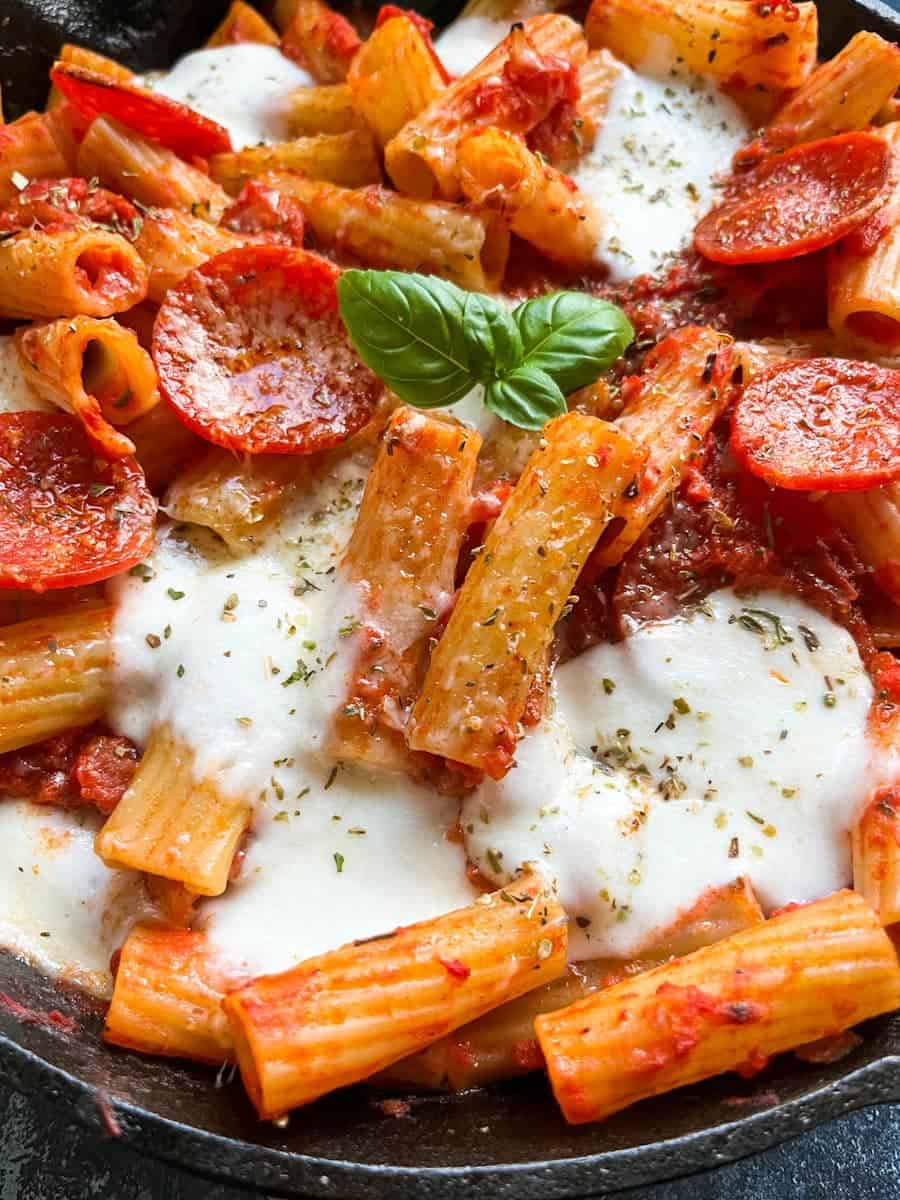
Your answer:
<point x="339" y="1018"/>
<point x="812" y="971"/>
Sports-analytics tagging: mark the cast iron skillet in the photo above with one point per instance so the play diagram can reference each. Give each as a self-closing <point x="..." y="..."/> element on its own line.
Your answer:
<point x="506" y="1142"/>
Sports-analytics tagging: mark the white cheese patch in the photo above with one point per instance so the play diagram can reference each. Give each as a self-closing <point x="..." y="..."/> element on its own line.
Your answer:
<point x="243" y="87"/>
<point x="730" y="742"/>
<point x="652" y="168"/>
<point x="60" y="907"/>
<point x="468" y="40"/>
<point x="252" y="662"/>
<point x="15" y="393"/>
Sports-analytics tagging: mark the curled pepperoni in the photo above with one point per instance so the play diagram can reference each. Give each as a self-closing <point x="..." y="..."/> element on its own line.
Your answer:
<point x="253" y="356"/>
<point x="798" y="202"/>
<point x="152" y="115"/>
<point x="826" y="424"/>
<point x="66" y="517"/>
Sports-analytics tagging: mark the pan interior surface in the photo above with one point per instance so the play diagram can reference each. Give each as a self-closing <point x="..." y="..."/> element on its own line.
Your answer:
<point x="505" y="1141"/>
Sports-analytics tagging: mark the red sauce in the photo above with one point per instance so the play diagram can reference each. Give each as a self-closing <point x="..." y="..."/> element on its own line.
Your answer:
<point x="81" y="767"/>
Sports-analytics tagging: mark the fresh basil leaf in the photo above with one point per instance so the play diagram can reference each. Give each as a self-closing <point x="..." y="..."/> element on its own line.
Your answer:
<point x="409" y="330"/>
<point x="572" y="336"/>
<point x="525" y="397"/>
<point x="492" y="337"/>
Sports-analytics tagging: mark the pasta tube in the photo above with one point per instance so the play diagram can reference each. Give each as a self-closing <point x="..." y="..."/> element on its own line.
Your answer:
<point x="684" y="390"/>
<point x="56" y="674"/>
<point x="812" y="971"/>
<point x="497" y="637"/>
<point x="387" y="230"/>
<point x="172" y="824"/>
<point x="242" y="23"/>
<point x="94" y="369"/>
<point x="496" y="170"/>
<point x="767" y="44"/>
<point x="235" y="497"/>
<point x="421" y="159"/>
<point x="844" y="93"/>
<point x="167" y="997"/>
<point x="162" y="445"/>
<point x="872" y="520"/>
<point x="28" y="151"/>
<point x="319" y="39"/>
<point x="337" y="1019"/>
<point x="501" y="1044"/>
<point x="394" y="77"/>
<point x="146" y="172"/>
<point x="172" y="242"/>
<point x="876" y="855"/>
<point x="402" y="559"/>
<point x="65" y="272"/>
<point x="325" y="109"/>
<point x="349" y="159"/>
<point x="864" y="279"/>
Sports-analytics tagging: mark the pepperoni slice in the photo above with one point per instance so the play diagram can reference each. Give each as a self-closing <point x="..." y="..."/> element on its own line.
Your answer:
<point x="798" y="202"/>
<point x="68" y="203"/>
<point x="252" y="354"/>
<point x="153" y="115"/>
<point x="815" y="424"/>
<point x="66" y="517"/>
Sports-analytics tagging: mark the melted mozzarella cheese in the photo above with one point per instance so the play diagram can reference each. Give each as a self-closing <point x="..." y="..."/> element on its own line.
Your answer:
<point x="15" y="394"/>
<point x="697" y="750"/>
<point x="468" y="40"/>
<point x="60" y="907"/>
<point x="243" y="87"/>
<point x="652" y="168"/>
<point x="253" y="660"/>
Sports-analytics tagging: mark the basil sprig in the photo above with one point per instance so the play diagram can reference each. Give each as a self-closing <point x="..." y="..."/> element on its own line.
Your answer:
<point x="431" y="343"/>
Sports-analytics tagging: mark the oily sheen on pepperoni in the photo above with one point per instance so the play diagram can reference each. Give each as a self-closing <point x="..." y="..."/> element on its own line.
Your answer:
<point x="827" y="424"/>
<point x="797" y="202"/>
<point x="253" y="356"/>
<point x="150" y="114"/>
<point x="66" y="517"/>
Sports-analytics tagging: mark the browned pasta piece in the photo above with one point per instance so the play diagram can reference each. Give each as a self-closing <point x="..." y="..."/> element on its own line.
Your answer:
<point x="766" y="44"/>
<point x="95" y="369"/>
<point x="501" y="1044"/>
<point x="393" y="77"/>
<point x="387" y="230"/>
<point x="236" y="497"/>
<point x="56" y="674"/>
<point x="812" y="971"/>
<point x="47" y="273"/>
<point x="171" y="823"/>
<point x="167" y="997"/>
<point x="324" y="109"/>
<point x="243" y="23"/>
<point x="172" y="242"/>
<point x="540" y="204"/>
<point x="146" y="172"/>
<point x="421" y="159"/>
<point x="481" y="672"/>
<point x="684" y="389"/>
<point x="349" y="159"/>
<point x="402" y="560"/>
<point x="28" y="150"/>
<point x="337" y="1019"/>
